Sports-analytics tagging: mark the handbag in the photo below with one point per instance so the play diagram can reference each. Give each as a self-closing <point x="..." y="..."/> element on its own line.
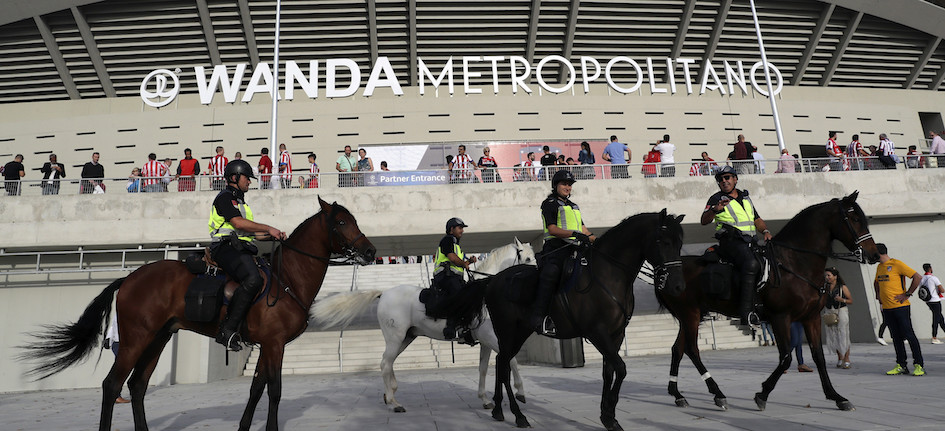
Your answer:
<point x="831" y="317"/>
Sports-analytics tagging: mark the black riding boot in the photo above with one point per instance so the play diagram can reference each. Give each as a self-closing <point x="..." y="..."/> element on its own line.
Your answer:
<point x="229" y="335"/>
<point x="747" y="300"/>
<point x="547" y="282"/>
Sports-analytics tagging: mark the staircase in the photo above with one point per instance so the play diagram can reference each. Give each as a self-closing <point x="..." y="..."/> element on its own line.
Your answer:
<point x="361" y="350"/>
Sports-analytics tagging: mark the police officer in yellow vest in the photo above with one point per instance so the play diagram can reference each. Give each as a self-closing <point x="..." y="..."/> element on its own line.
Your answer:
<point x="449" y="268"/>
<point x="233" y="230"/>
<point x="736" y="221"/>
<point x="564" y="230"/>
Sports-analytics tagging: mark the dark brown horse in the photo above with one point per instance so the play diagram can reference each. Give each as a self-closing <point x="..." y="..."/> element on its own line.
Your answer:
<point x="795" y="292"/>
<point x="598" y="307"/>
<point x="150" y="308"/>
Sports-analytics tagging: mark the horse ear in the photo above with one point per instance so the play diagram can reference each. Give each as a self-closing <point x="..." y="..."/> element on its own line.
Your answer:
<point x="663" y="215"/>
<point x="324" y="205"/>
<point x="518" y="243"/>
<point x="852" y="197"/>
<point x="679" y="219"/>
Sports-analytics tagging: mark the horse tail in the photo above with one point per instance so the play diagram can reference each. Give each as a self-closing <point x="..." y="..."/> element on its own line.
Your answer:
<point x="341" y="309"/>
<point x="60" y="346"/>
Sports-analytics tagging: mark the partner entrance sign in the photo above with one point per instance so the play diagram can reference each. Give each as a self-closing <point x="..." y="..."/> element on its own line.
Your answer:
<point x="343" y="77"/>
<point x="407" y="178"/>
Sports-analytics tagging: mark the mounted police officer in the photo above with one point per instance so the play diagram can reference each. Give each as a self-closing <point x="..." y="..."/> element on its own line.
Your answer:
<point x="564" y="230"/>
<point x="449" y="268"/>
<point x="233" y="230"/>
<point x="736" y="221"/>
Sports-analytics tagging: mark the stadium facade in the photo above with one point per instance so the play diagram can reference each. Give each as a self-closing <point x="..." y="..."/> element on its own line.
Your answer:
<point x="128" y="78"/>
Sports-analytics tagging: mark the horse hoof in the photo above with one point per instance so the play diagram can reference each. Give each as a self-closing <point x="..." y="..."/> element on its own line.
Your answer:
<point x="682" y="403"/>
<point x="846" y="406"/>
<point x="614" y="426"/>
<point x="762" y="403"/>
<point x="722" y="403"/>
<point x="488" y="406"/>
<point x="385" y="399"/>
<point x="498" y="415"/>
<point x="399" y="409"/>
<point x="520" y="398"/>
<point x="521" y="422"/>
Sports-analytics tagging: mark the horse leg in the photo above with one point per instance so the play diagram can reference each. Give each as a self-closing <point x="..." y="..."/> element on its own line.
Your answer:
<point x="260" y="380"/>
<point x="615" y="371"/>
<point x="484" y="354"/>
<point x="782" y="335"/>
<point x="138" y="383"/>
<point x="391" y="352"/>
<point x="111" y="385"/>
<point x="488" y="344"/>
<point x="677" y="352"/>
<point x="691" y="346"/>
<point x="274" y="368"/>
<point x="519" y="386"/>
<point x="508" y="348"/>
<point x="813" y="330"/>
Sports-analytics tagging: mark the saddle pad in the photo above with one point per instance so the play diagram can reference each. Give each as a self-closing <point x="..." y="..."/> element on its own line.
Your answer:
<point x="203" y="299"/>
<point x="521" y="284"/>
<point x="718" y="280"/>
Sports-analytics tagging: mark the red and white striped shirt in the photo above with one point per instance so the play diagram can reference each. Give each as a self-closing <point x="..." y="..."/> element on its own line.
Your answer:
<point x="833" y="150"/>
<point x="153" y="168"/>
<point x="853" y="150"/>
<point x="462" y="165"/>
<point x="217" y="165"/>
<point x="284" y="158"/>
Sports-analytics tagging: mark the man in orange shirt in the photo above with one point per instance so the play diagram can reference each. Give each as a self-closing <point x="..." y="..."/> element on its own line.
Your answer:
<point x="892" y="294"/>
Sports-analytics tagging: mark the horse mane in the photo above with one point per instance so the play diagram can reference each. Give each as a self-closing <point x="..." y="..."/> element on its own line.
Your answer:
<point x="317" y="214"/>
<point x="630" y="220"/>
<point x="799" y="222"/>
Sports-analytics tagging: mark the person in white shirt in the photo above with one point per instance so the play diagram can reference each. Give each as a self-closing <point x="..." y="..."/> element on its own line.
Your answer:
<point x="937" y="147"/>
<point x="887" y="152"/>
<point x="759" y="162"/>
<point x="667" y="166"/>
<point x="936" y="296"/>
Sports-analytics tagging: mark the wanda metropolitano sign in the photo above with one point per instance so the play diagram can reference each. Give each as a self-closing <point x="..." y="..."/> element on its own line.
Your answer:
<point x="160" y="87"/>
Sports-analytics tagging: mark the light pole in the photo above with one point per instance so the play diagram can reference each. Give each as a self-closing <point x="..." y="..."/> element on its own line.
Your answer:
<point x="764" y="63"/>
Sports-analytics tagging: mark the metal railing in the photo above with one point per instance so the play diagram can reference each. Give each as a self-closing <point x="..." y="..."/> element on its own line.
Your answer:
<point x="82" y="260"/>
<point x="474" y="175"/>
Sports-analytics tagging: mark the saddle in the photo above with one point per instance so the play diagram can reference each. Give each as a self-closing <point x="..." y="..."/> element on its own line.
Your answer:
<point x="213" y="288"/>
<point x="718" y="277"/>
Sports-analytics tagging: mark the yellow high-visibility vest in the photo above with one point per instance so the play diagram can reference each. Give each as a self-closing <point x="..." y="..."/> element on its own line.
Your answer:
<point x="740" y="216"/>
<point x="442" y="261"/>
<point x="569" y="218"/>
<point x="220" y="228"/>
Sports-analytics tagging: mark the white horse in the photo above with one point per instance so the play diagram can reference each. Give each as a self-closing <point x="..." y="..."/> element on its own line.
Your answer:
<point x="402" y="318"/>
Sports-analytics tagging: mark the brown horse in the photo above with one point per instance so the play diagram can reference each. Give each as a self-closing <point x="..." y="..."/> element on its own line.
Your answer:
<point x="150" y="308"/>
<point x="795" y="292"/>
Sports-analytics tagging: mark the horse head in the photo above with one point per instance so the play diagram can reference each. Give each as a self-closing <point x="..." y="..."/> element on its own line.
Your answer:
<point x="665" y="257"/>
<point x="525" y="253"/>
<point x="851" y="227"/>
<point x="346" y="238"/>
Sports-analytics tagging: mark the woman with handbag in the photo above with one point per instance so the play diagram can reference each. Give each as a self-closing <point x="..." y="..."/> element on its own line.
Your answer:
<point x="836" y="317"/>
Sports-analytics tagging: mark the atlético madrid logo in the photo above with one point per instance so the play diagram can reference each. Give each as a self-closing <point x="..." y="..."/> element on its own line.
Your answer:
<point x="155" y="91"/>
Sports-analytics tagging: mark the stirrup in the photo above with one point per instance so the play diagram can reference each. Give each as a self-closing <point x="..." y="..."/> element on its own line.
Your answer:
<point x="231" y="341"/>
<point x="547" y="327"/>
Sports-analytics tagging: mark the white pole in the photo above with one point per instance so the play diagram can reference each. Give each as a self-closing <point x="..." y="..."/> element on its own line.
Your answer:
<point x="275" y="94"/>
<point x="764" y="63"/>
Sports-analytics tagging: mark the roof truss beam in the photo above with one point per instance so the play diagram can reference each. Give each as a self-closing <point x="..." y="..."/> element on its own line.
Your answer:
<point x="569" y="37"/>
<point x="412" y="40"/>
<point x="717" y="31"/>
<point x="372" y="29"/>
<point x="204" y="12"/>
<point x="94" y="54"/>
<point x="923" y="60"/>
<point x="57" y="58"/>
<point x="249" y="32"/>
<point x="683" y="28"/>
<point x="814" y="42"/>
<point x="532" y="31"/>
<point x="841" y="48"/>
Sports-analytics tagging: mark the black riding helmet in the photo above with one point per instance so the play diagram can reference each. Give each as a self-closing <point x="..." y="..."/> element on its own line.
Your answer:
<point x="238" y="167"/>
<point x="562" y="175"/>
<point x="726" y="170"/>
<point x="453" y="222"/>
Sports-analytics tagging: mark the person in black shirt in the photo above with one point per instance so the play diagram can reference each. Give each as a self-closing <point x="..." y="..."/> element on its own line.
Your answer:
<point x="12" y="172"/>
<point x="547" y="159"/>
<point x="91" y="172"/>
<point x="53" y="171"/>
<point x="233" y="231"/>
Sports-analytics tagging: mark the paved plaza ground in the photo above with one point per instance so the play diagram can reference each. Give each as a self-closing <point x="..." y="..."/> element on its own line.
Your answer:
<point x="558" y="399"/>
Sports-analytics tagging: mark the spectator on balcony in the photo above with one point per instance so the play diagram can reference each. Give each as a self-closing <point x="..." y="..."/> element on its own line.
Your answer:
<point x="856" y="154"/>
<point x="709" y="166"/>
<point x="667" y="162"/>
<point x="586" y="157"/>
<point x="238" y="156"/>
<point x="914" y="159"/>
<point x="650" y="160"/>
<point x="313" y="171"/>
<point x="937" y="148"/>
<point x="488" y="166"/>
<point x="134" y="181"/>
<point x="384" y="166"/>
<point x="614" y="153"/>
<point x="187" y="170"/>
<point x="12" y="172"/>
<point x="265" y="169"/>
<point x="217" y="165"/>
<point x="152" y="173"/>
<point x="547" y="159"/>
<point x="887" y="152"/>
<point x="92" y="175"/>
<point x="285" y="167"/>
<point x="786" y="163"/>
<point x="742" y="153"/>
<point x="346" y="165"/>
<point x="53" y="172"/>
<point x="530" y="173"/>
<point x="365" y="165"/>
<point x="759" y="161"/>
<point x="837" y="162"/>
<point x="167" y="174"/>
<point x="462" y="166"/>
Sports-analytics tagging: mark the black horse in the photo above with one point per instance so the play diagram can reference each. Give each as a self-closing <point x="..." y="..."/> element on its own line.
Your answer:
<point x="795" y="292"/>
<point x="597" y="308"/>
